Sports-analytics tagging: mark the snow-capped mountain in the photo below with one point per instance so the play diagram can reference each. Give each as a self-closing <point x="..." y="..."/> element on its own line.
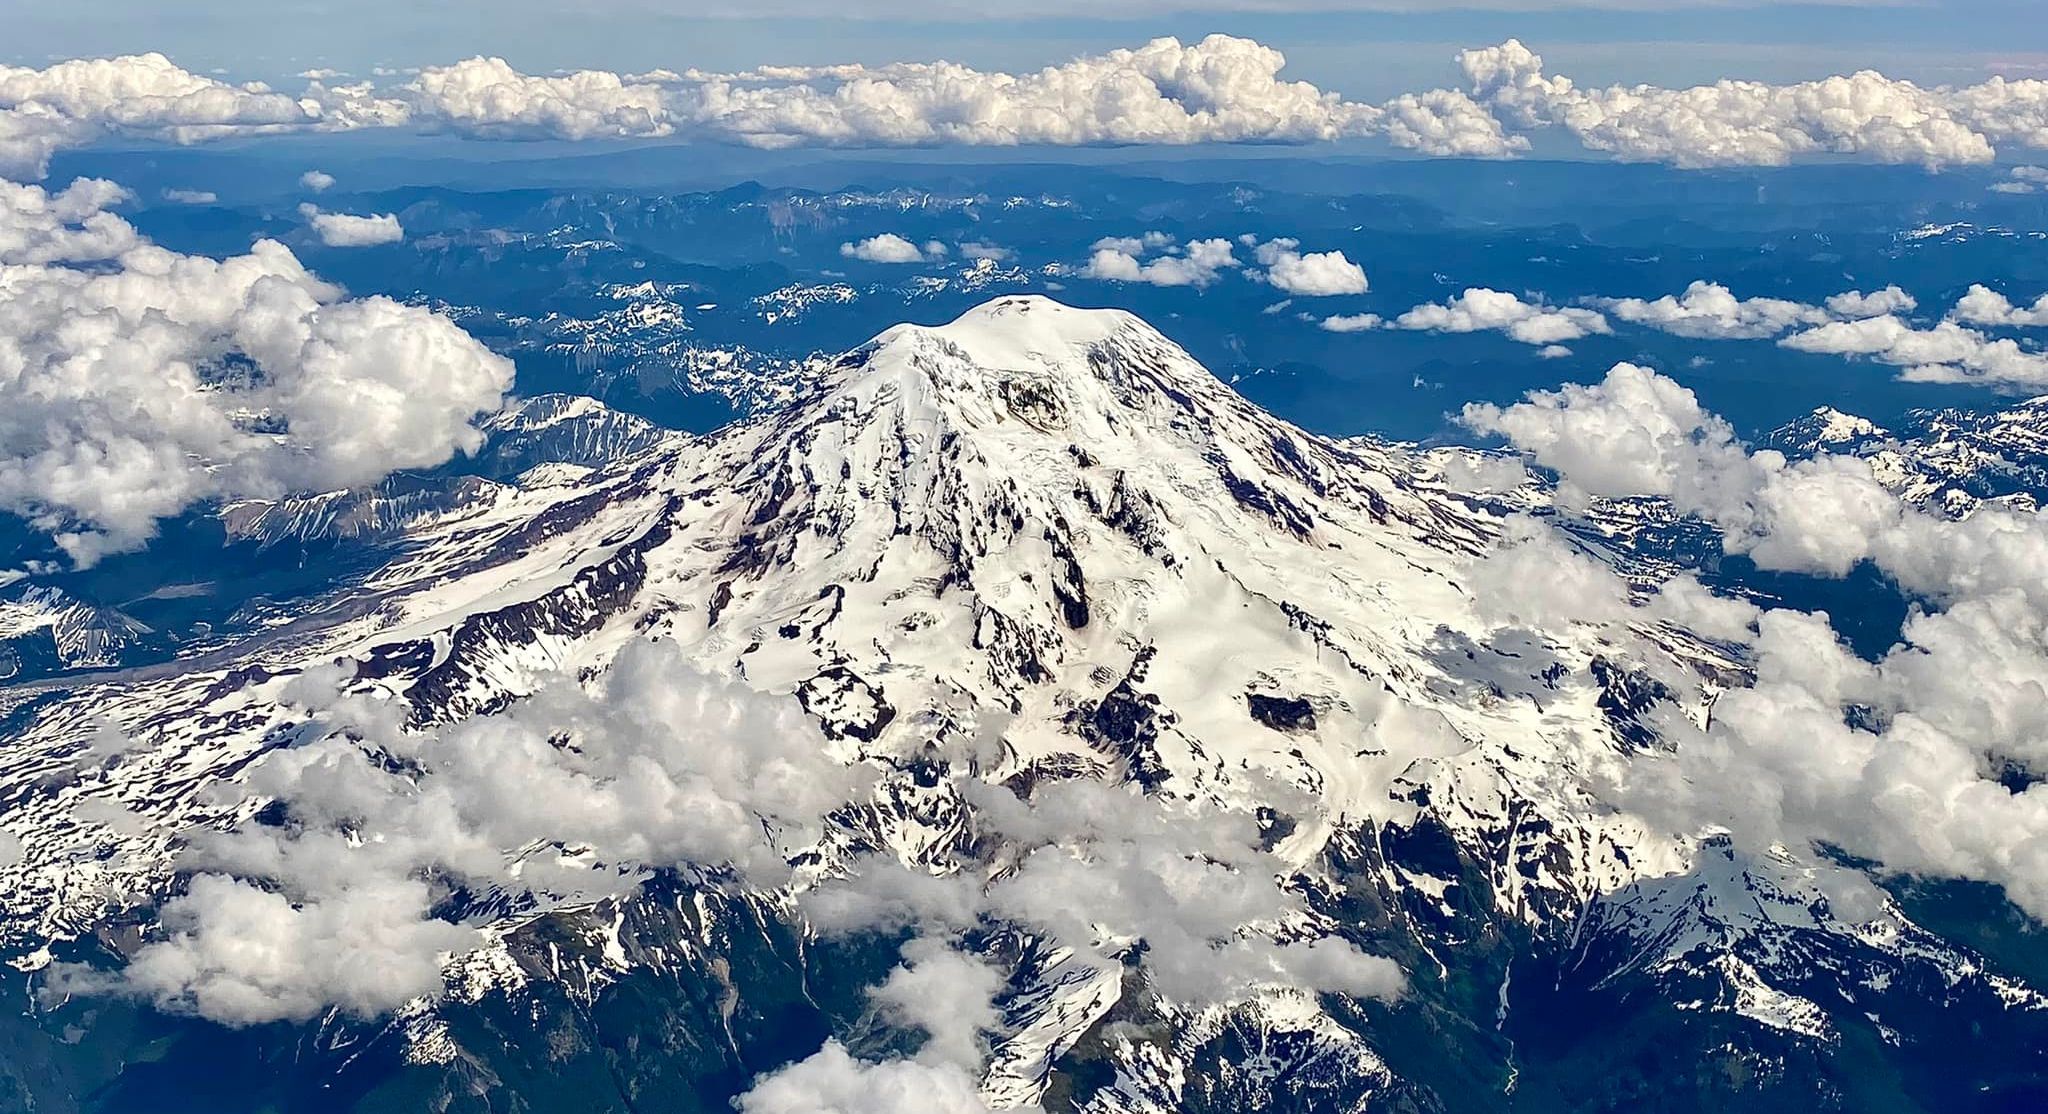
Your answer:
<point x="1039" y="544"/>
<point x="1945" y="460"/>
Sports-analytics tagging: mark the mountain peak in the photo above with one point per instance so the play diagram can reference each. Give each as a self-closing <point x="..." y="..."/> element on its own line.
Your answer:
<point x="1030" y="358"/>
<point x="1001" y="329"/>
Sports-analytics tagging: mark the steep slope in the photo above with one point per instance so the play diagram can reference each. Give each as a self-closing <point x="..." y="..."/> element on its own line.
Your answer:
<point x="1033" y="545"/>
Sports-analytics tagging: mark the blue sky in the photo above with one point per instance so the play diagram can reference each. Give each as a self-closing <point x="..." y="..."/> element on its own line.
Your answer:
<point x="1363" y="53"/>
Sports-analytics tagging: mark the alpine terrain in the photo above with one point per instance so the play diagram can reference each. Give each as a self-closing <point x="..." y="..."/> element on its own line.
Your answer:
<point x="1017" y="716"/>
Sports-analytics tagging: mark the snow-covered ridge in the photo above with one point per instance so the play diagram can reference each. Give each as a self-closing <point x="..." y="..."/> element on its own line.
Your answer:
<point x="1047" y="516"/>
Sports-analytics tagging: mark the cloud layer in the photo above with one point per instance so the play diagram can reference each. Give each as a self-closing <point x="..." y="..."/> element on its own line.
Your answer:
<point x="1220" y="89"/>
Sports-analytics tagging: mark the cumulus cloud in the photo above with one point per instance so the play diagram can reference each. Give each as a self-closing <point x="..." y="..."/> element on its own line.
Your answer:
<point x="1350" y="322"/>
<point x="1448" y="123"/>
<point x="1134" y="245"/>
<point x="1710" y="311"/>
<point x="1638" y="433"/>
<point x="1314" y="275"/>
<point x="1744" y="123"/>
<point x="947" y="994"/>
<point x="487" y="97"/>
<point x="1985" y="306"/>
<point x="977" y="251"/>
<point x="831" y="1081"/>
<point x="144" y="96"/>
<point x="346" y="230"/>
<point x="887" y="247"/>
<point x="72" y="225"/>
<point x="1221" y="89"/>
<point x="145" y="381"/>
<point x="1200" y="263"/>
<point x="1944" y="353"/>
<point x="1877" y="303"/>
<point x="1479" y="309"/>
<point x="191" y="197"/>
<point x="1861" y="325"/>
<point x="1911" y="783"/>
<point x="566" y="794"/>
<point x="242" y="955"/>
<point x="1218" y="90"/>
<point x="1898" y="761"/>
<point x="2023" y="179"/>
<point x="319" y="181"/>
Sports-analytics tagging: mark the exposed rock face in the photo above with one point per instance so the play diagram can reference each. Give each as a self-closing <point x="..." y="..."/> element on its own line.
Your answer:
<point x="1055" y="517"/>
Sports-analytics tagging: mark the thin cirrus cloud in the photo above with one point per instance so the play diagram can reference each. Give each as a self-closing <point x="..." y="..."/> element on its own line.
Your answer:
<point x="1221" y="89"/>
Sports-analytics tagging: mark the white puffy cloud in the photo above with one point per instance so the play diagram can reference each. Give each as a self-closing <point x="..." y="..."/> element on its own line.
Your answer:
<point x="1745" y="123"/>
<point x="2023" y="179"/>
<point x="1218" y="90"/>
<point x="191" y="197"/>
<point x="319" y="181"/>
<point x="143" y="381"/>
<point x="1314" y="275"/>
<point x="831" y="1081"/>
<point x="1859" y="324"/>
<point x="1855" y="303"/>
<point x="1134" y="245"/>
<point x="946" y="993"/>
<point x="976" y="250"/>
<point x="143" y="95"/>
<point x="1351" y="322"/>
<point x="242" y="955"/>
<point x="1917" y="791"/>
<point x="346" y="230"/>
<point x="1448" y="123"/>
<point x="1479" y="309"/>
<point x="1985" y="306"/>
<point x="1710" y="311"/>
<point x="68" y="226"/>
<point x="1897" y="761"/>
<point x="2006" y="111"/>
<point x="1635" y="433"/>
<point x="1533" y="577"/>
<point x="1943" y="353"/>
<point x="1638" y="433"/>
<point x="566" y="796"/>
<point x="487" y="97"/>
<point x="887" y="247"/>
<point x="1200" y="263"/>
